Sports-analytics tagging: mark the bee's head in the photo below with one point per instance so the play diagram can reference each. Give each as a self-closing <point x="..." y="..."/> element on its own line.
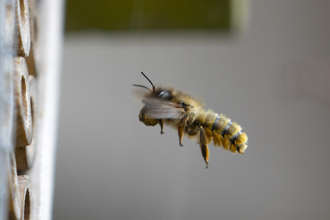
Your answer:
<point x="155" y="92"/>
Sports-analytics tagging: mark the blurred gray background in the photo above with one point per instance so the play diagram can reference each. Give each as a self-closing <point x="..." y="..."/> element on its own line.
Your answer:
<point x="271" y="78"/>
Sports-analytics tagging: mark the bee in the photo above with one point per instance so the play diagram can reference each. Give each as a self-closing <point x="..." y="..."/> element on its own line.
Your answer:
<point x="185" y="112"/>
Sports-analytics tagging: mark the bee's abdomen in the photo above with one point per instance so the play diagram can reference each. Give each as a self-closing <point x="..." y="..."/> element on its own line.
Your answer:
<point x="228" y="134"/>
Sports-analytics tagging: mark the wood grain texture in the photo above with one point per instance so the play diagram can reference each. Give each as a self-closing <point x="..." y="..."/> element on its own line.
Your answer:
<point x="13" y="185"/>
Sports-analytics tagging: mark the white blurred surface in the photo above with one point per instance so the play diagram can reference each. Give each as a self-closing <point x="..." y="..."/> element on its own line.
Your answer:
<point x="111" y="166"/>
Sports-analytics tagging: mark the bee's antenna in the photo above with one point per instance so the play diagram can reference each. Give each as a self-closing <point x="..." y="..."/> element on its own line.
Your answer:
<point x="142" y="86"/>
<point x="153" y="87"/>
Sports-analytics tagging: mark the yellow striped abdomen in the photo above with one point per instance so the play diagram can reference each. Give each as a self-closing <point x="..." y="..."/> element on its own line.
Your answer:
<point x="224" y="132"/>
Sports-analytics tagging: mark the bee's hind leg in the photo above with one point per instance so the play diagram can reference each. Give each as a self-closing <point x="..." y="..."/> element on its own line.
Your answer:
<point x="203" y="146"/>
<point x="181" y="125"/>
<point x="161" y="123"/>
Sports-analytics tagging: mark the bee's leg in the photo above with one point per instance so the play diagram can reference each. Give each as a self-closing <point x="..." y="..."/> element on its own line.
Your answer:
<point x="181" y="125"/>
<point x="203" y="146"/>
<point x="161" y="123"/>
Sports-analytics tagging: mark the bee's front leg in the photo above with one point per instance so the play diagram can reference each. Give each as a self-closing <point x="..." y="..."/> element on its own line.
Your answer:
<point x="161" y="123"/>
<point x="181" y="125"/>
<point x="203" y="146"/>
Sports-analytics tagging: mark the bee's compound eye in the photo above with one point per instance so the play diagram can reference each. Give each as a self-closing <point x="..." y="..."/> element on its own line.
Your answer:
<point x="165" y="95"/>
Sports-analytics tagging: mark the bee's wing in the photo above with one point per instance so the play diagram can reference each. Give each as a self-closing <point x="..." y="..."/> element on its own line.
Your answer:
<point x="137" y="95"/>
<point x="162" y="109"/>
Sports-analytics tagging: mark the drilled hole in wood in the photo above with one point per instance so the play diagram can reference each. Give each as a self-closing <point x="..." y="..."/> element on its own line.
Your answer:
<point x="27" y="208"/>
<point x="24" y="96"/>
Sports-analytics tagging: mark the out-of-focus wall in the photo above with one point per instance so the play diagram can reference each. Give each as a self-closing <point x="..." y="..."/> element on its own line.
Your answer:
<point x="111" y="166"/>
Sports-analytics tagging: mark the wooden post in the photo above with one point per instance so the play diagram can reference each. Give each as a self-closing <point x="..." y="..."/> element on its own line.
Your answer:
<point x="31" y="41"/>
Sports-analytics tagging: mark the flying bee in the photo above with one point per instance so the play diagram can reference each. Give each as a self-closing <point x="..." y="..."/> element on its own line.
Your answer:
<point x="184" y="112"/>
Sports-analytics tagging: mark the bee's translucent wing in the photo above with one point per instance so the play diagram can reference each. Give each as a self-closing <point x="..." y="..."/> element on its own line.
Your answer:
<point x="162" y="109"/>
<point x="137" y="95"/>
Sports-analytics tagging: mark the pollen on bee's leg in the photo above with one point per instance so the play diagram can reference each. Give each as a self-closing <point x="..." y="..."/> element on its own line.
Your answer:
<point x="205" y="154"/>
<point x="180" y="133"/>
<point x="203" y="146"/>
